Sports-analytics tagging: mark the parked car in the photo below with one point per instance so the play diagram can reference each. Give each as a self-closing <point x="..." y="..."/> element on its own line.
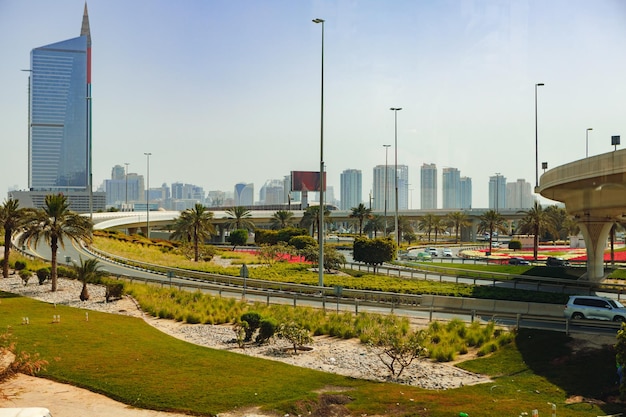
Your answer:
<point x="552" y="261"/>
<point x="580" y="307"/>
<point x="417" y="255"/>
<point x="447" y="252"/>
<point x="518" y="261"/>
<point x="432" y="251"/>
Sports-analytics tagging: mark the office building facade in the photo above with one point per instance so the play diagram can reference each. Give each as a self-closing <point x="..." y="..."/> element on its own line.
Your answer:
<point x="497" y="192"/>
<point x="428" y="187"/>
<point x="465" y="184"/>
<point x="451" y="188"/>
<point x="518" y="195"/>
<point x="351" y="183"/>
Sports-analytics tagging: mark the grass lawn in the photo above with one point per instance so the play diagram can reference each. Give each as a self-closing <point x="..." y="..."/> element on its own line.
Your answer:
<point x="128" y="360"/>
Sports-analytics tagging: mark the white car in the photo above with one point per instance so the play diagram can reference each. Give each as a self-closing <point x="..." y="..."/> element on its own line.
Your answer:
<point x="447" y="252"/>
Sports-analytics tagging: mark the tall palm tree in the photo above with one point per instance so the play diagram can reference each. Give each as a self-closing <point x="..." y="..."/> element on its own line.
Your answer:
<point x="536" y="221"/>
<point x="375" y="224"/>
<point x="87" y="270"/>
<point x="194" y="225"/>
<point x="311" y="218"/>
<point x="404" y="226"/>
<point x="240" y="218"/>
<point x="361" y="213"/>
<point x="12" y="218"/>
<point x="425" y="224"/>
<point x="281" y="219"/>
<point x="490" y="222"/>
<point x="457" y="220"/>
<point x="54" y="223"/>
<point x="438" y="226"/>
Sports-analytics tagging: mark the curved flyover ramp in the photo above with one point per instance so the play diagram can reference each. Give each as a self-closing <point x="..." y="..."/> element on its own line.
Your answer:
<point x="594" y="192"/>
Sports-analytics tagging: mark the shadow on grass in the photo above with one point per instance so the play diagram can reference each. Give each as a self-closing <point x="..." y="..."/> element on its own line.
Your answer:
<point x="562" y="272"/>
<point x="585" y="372"/>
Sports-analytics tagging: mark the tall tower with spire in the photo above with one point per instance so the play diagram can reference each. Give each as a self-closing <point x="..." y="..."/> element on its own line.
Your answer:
<point x="59" y="159"/>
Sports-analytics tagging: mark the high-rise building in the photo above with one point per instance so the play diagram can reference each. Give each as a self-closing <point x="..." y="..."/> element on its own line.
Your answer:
<point x="59" y="136"/>
<point x="383" y="188"/>
<point x="428" y="190"/>
<point x="518" y="195"/>
<point x="497" y="192"/>
<point x="466" y="193"/>
<point x="451" y="188"/>
<point x="272" y="192"/>
<point x="403" y="188"/>
<point x="351" y="183"/>
<point x="244" y="194"/>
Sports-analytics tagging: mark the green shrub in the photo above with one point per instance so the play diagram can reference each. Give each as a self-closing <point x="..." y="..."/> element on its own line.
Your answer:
<point x="113" y="291"/>
<point x="20" y="265"/>
<point x="43" y="274"/>
<point x="267" y="329"/>
<point x="25" y="274"/>
<point x="487" y="348"/>
<point x="443" y="353"/>
<point x="63" y="271"/>
<point x="515" y="245"/>
<point x="288" y="233"/>
<point x="254" y="320"/>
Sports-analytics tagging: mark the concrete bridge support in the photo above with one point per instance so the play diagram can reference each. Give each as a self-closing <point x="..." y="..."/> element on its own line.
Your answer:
<point x="595" y="232"/>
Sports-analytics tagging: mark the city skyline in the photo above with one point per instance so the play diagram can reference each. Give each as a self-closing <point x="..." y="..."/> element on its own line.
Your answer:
<point x="219" y="95"/>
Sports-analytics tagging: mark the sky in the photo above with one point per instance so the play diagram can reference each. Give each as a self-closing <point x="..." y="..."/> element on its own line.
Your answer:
<point x="228" y="91"/>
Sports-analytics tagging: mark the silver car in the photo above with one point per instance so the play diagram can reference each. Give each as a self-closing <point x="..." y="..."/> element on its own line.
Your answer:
<point x="580" y="307"/>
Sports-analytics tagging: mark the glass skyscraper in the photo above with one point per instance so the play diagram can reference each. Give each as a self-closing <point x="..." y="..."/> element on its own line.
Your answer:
<point x="428" y="190"/>
<point x="351" y="188"/>
<point x="59" y="142"/>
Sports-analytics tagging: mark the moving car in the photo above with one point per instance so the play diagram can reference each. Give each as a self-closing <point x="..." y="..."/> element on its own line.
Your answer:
<point x="518" y="261"/>
<point x="432" y="251"/>
<point x="447" y="252"/>
<point x="552" y="261"/>
<point x="580" y="307"/>
<point x="417" y="255"/>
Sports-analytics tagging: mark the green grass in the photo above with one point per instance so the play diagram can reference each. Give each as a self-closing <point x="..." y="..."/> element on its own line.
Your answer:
<point x="128" y="360"/>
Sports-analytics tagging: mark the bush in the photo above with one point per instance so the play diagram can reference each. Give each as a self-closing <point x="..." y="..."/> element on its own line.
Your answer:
<point x="63" y="271"/>
<point x="288" y="233"/>
<point x="25" y="274"/>
<point x="113" y="291"/>
<point x="43" y="274"/>
<point x="301" y="242"/>
<point x="268" y="237"/>
<point x="515" y="245"/>
<point x="20" y="265"/>
<point x="267" y="329"/>
<point x="238" y="237"/>
<point x="254" y="320"/>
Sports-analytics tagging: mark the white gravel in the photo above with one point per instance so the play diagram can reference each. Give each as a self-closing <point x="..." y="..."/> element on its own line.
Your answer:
<point x="344" y="357"/>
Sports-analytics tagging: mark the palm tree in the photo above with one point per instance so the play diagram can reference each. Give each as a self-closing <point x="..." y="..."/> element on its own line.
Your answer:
<point x="361" y="213"/>
<point x="404" y="226"/>
<point x="194" y="225"/>
<point x="425" y="224"/>
<point x="492" y="221"/>
<point x="12" y="219"/>
<point x="438" y="226"/>
<point x="457" y="220"/>
<point x="53" y="223"/>
<point x="281" y="219"/>
<point x="87" y="270"/>
<point x="239" y="217"/>
<point x="311" y="218"/>
<point x="536" y="221"/>
<point x="375" y="224"/>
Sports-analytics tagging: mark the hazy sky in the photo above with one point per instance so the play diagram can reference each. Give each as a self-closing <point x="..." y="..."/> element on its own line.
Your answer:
<point x="228" y="91"/>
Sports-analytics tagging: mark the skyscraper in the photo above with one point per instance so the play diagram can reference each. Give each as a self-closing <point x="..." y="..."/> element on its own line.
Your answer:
<point x="518" y="195"/>
<point x="384" y="188"/>
<point x="351" y="183"/>
<point x="497" y="192"/>
<point x="466" y="193"/>
<point x="244" y="194"/>
<point x="428" y="191"/>
<point x="59" y="136"/>
<point x="451" y="188"/>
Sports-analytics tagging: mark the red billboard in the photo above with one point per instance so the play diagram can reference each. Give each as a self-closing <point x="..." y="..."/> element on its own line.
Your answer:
<point x="306" y="181"/>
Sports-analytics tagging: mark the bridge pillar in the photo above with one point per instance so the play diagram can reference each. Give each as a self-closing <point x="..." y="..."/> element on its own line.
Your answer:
<point x="144" y="231"/>
<point x="595" y="232"/>
<point x="132" y="231"/>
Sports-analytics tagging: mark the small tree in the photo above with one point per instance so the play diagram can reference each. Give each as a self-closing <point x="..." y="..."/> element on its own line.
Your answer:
<point x="374" y="251"/>
<point x="253" y="320"/>
<point x="295" y="334"/>
<point x="620" y="359"/>
<point x="515" y="245"/>
<point x="301" y="242"/>
<point x="397" y="348"/>
<point x="238" y="237"/>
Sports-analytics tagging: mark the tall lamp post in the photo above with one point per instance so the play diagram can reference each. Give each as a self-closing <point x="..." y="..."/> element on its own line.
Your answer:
<point x="536" y="140"/>
<point x="587" y="142"/>
<point x="126" y="187"/>
<point x="395" y="114"/>
<point x="386" y="186"/>
<point x="321" y="210"/>
<point x="148" y="194"/>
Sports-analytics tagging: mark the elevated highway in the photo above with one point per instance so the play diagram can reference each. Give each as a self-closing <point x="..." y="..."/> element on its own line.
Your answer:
<point x="594" y="191"/>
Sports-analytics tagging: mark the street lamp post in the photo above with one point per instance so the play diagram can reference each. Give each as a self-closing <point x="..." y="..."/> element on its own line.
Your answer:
<point x="536" y="140"/>
<point x="126" y="187"/>
<point x="321" y="209"/>
<point x="395" y="114"/>
<point x="587" y="142"/>
<point x="386" y="182"/>
<point x="148" y="194"/>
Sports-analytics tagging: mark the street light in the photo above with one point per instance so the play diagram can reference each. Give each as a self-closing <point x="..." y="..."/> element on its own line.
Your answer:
<point x="395" y="114"/>
<point x="126" y="187"/>
<point x="321" y="210"/>
<point x="148" y="194"/>
<point x="536" y="140"/>
<point x="386" y="182"/>
<point x="587" y="141"/>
